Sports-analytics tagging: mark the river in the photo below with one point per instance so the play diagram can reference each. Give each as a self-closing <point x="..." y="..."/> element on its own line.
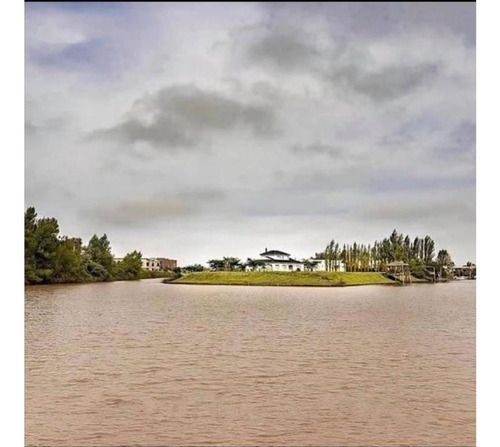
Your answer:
<point x="146" y="363"/>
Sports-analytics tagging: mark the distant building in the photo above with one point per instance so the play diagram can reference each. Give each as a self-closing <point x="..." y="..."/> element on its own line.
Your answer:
<point x="167" y="264"/>
<point x="320" y="265"/>
<point x="279" y="261"/>
<point x="466" y="271"/>
<point x="158" y="264"/>
<point x="151" y="264"/>
<point x="155" y="264"/>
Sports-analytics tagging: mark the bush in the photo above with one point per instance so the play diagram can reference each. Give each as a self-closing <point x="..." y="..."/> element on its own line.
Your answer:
<point x="96" y="271"/>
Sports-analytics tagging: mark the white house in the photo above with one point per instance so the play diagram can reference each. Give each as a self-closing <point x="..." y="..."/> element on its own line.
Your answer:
<point x="151" y="264"/>
<point x="279" y="261"/>
<point x="320" y="265"/>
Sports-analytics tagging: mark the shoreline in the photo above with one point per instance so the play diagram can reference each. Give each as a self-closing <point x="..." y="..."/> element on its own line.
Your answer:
<point x="288" y="279"/>
<point x="282" y="285"/>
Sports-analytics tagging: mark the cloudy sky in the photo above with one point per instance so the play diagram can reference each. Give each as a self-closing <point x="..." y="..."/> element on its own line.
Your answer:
<point x="203" y="130"/>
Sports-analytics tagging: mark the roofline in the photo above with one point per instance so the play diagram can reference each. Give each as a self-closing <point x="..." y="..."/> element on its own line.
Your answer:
<point x="274" y="251"/>
<point x="283" y="261"/>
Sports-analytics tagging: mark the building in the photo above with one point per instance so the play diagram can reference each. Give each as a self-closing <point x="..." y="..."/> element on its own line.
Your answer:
<point x="151" y="264"/>
<point x="155" y="264"/>
<point x="167" y="264"/>
<point x="319" y="265"/>
<point x="279" y="261"/>
<point x="158" y="264"/>
<point x="466" y="271"/>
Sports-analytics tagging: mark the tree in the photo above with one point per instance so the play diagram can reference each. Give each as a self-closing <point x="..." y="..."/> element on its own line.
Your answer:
<point x="30" y="246"/>
<point x="231" y="263"/>
<point x="255" y="264"/>
<point x="98" y="251"/>
<point x="395" y="248"/>
<point x="216" y="265"/>
<point x="49" y="258"/>
<point x="428" y="249"/>
<point x="68" y="261"/>
<point x="95" y="271"/>
<point x="443" y="259"/>
<point x="40" y="245"/>
<point x="417" y="268"/>
<point x="129" y="268"/>
<point x="310" y="264"/>
<point x="190" y="268"/>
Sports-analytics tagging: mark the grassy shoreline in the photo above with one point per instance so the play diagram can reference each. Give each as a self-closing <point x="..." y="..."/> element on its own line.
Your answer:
<point x="298" y="279"/>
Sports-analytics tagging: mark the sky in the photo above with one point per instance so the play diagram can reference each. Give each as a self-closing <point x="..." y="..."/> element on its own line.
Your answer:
<point x="200" y="130"/>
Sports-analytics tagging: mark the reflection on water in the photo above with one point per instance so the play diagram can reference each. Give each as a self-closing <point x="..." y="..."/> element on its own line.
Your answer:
<point x="146" y="363"/>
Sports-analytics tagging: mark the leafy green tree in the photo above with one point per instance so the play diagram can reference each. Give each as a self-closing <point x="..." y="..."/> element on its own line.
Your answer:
<point x="310" y="264"/>
<point x="99" y="250"/>
<point x="129" y="268"/>
<point x="231" y="263"/>
<point x="417" y="268"/>
<point x="68" y="261"/>
<point x="428" y="250"/>
<point x="96" y="271"/>
<point x="332" y="256"/>
<point x="190" y="268"/>
<point x="49" y="258"/>
<point x="395" y="248"/>
<point x="40" y="245"/>
<point x="255" y="264"/>
<point x="443" y="259"/>
<point x="98" y="253"/>
<point x="216" y="265"/>
<point x="30" y="246"/>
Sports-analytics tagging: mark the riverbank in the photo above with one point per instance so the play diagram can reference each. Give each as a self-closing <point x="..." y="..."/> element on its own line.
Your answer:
<point x="144" y="274"/>
<point x="311" y="279"/>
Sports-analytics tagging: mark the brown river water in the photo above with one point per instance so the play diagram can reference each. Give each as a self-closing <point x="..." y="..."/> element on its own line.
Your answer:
<point x="145" y="363"/>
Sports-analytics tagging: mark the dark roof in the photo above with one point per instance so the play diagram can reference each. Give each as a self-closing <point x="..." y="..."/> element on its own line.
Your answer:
<point x="283" y="261"/>
<point x="274" y="252"/>
<point x="277" y="261"/>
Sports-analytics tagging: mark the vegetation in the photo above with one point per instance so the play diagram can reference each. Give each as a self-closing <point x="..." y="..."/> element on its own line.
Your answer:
<point x="418" y="253"/>
<point x="193" y="268"/>
<point x="168" y="274"/>
<point x="226" y="264"/>
<point x="130" y="267"/>
<point x="284" y="278"/>
<point x="50" y="258"/>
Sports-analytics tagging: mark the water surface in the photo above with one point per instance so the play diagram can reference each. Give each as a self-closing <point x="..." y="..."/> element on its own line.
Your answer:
<point x="144" y="363"/>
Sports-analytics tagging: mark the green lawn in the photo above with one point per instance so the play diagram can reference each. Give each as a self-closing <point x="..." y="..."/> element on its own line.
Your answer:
<point x="284" y="278"/>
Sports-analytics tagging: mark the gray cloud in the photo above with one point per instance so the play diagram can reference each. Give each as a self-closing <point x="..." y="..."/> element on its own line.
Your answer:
<point x="464" y="137"/>
<point x="282" y="48"/>
<point x="153" y="209"/>
<point x="376" y="19"/>
<point x="182" y="115"/>
<point x="317" y="120"/>
<point x="410" y="208"/>
<point x="349" y="65"/>
<point x="318" y="149"/>
<point x="387" y="83"/>
<point x="202" y="194"/>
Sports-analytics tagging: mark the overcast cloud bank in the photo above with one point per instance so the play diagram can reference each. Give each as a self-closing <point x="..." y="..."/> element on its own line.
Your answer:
<point x="197" y="131"/>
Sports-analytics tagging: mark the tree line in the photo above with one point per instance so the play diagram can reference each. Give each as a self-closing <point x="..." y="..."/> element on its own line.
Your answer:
<point x="418" y="253"/>
<point x="227" y="264"/>
<point x="51" y="258"/>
